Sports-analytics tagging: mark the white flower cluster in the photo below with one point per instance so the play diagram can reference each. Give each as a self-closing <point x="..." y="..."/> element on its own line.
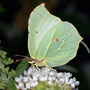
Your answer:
<point x="33" y="77"/>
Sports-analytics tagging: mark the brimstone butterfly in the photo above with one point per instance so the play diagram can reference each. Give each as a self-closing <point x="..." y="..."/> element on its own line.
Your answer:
<point x="51" y="41"/>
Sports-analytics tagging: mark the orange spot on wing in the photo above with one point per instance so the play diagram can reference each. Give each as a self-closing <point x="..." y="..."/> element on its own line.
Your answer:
<point x="57" y="40"/>
<point x="36" y="32"/>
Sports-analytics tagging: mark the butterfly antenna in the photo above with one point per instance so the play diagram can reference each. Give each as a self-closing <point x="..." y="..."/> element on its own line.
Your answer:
<point x="19" y="60"/>
<point x="85" y="45"/>
<point x="20" y="55"/>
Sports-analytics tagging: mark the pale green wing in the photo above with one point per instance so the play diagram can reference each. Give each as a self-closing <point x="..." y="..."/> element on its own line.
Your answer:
<point x="50" y="38"/>
<point x="41" y="27"/>
<point x="64" y="45"/>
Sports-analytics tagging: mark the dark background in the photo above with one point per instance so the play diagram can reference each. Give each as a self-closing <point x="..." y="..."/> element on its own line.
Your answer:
<point x="13" y="30"/>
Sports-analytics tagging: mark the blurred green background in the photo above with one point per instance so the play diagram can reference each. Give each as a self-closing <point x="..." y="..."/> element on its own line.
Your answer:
<point x="14" y="33"/>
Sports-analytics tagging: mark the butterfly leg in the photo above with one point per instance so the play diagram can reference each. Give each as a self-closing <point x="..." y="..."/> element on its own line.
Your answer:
<point x="48" y="66"/>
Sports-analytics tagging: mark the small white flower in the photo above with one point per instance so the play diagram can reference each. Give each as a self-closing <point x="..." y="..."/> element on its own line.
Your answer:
<point x="17" y="86"/>
<point x="28" y="85"/>
<point x="17" y="80"/>
<point x="61" y="81"/>
<point x="29" y="71"/>
<point x="77" y="83"/>
<point x="36" y="74"/>
<point x="49" y="82"/>
<point x="68" y="75"/>
<point x="70" y="81"/>
<point x="66" y="79"/>
<point x="30" y="79"/>
<point x="20" y="84"/>
<point x="59" y="74"/>
<point x="53" y="78"/>
<point x="50" y="78"/>
<point x="25" y="72"/>
<point x="35" y="78"/>
<point x="25" y="79"/>
<point x="21" y="77"/>
<point x="73" y="85"/>
<point x="51" y="74"/>
<point x="24" y="88"/>
<point x="42" y="78"/>
<point x="56" y="80"/>
<point x="45" y="71"/>
<point x="33" y="84"/>
<point x="74" y="79"/>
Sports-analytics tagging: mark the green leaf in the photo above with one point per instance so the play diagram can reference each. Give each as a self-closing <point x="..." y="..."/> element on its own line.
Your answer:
<point x="1" y="65"/>
<point x="21" y="67"/>
<point x="5" y="70"/>
<point x="51" y="39"/>
<point x="11" y="73"/>
<point x="5" y="74"/>
<point x="3" y="59"/>
<point x="3" y="54"/>
<point x="45" y="86"/>
<point x="2" y="85"/>
<point x="10" y="84"/>
<point x="9" y="61"/>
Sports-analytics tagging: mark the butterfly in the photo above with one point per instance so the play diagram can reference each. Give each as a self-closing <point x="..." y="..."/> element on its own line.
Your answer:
<point x="51" y="41"/>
